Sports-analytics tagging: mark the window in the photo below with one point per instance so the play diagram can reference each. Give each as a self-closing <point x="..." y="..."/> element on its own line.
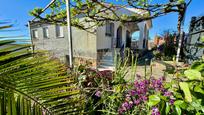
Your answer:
<point x="34" y="33"/>
<point x="59" y="31"/>
<point x="136" y="36"/>
<point x="109" y="29"/>
<point x="45" y="32"/>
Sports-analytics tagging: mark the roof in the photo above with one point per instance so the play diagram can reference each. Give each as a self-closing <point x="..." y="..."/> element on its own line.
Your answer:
<point x="123" y="10"/>
<point x="137" y="11"/>
<point x="141" y="12"/>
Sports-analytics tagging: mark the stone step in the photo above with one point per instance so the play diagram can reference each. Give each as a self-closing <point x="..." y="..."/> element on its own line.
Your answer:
<point x="108" y="54"/>
<point x="108" y="64"/>
<point x="107" y="58"/>
<point x="107" y="61"/>
<point x="105" y="67"/>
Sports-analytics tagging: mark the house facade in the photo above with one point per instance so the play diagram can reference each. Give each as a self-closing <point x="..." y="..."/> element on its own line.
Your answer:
<point x="92" y="47"/>
<point x="195" y="40"/>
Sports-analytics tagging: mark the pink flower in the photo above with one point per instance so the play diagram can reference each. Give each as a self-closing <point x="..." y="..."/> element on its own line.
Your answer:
<point x="136" y="101"/>
<point x="98" y="94"/>
<point x="155" y="111"/>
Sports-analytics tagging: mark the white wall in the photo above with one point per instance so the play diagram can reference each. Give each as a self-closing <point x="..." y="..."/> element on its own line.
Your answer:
<point x="144" y="33"/>
<point x="104" y="42"/>
<point x="57" y="46"/>
<point x="84" y="43"/>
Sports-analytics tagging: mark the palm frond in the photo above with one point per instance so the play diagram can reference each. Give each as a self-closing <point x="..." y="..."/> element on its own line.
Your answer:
<point x="34" y="84"/>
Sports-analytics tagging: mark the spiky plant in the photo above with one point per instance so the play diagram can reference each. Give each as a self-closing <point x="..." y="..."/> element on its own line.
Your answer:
<point x="34" y="84"/>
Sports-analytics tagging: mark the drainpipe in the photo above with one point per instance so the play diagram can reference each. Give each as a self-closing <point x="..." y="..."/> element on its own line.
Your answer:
<point x="69" y="34"/>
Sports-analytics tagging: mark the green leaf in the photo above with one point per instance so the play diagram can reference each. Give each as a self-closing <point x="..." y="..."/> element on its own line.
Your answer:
<point x="193" y="74"/>
<point x="198" y="113"/>
<point x="167" y="108"/>
<point x="202" y="39"/>
<point x="181" y="1"/>
<point x="30" y="82"/>
<point x="184" y="86"/>
<point x="178" y="102"/>
<point x="178" y="110"/>
<point x="153" y="100"/>
<point x="198" y="88"/>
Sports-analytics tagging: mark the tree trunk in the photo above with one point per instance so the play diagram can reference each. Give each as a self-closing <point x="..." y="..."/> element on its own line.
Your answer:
<point x="180" y="30"/>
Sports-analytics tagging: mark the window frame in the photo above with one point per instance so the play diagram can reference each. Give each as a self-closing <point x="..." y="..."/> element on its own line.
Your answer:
<point x="35" y="33"/>
<point x="60" y="29"/>
<point x="45" y="33"/>
<point x="109" y="31"/>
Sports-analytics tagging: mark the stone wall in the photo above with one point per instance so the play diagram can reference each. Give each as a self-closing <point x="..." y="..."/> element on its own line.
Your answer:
<point x="57" y="46"/>
<point x="90" y="62"/>
<point x="196" y="32"/>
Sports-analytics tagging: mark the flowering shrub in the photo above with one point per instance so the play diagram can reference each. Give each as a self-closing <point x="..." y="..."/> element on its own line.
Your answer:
<point x="110" y="93"/>
<point x="146" y="95"/>
<point x="92" y="83"/>
<point x="93" y="78"/>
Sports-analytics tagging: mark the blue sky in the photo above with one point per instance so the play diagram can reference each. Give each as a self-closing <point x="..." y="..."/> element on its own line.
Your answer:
<point x="17" y="12"/>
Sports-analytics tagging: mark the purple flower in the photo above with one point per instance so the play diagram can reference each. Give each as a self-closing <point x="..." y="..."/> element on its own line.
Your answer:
<point x="156" y="84"/>
<point x="136" y="84"/>
<point x="142" y="84"/>
<point x="163" y="90"/>
<point x="133" y="93"/>
<point x="126" y="105"/>
<point x="128" y="98"/>
<point x="139" y="91"/>
<point x="137" y="101"/>
<point x="98" y="94"/>
<point x="159" y="82"/>
<point x="155" y="111"/>
<point x="130" y="104"/>
<point x="171" y="101"/>
<point x="146" y="82"/>
<point x="144" y="98"/>
<point x="167" y="94"/>
<point x="120" y="111"/>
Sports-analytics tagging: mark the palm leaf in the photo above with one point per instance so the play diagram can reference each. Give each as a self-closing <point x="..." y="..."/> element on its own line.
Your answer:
<point x="34" y="84"/>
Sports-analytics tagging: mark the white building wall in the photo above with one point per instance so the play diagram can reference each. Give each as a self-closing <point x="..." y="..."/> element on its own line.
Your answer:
<point x="144" y="33"/>
<point x="84" y="43"/>
<point x="105" y="42"/>
<point x="58" y="46"/>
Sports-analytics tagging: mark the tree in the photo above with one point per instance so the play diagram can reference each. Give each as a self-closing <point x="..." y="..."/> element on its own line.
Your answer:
<point x="100" y="11"/>
<point x="95" y="10"/>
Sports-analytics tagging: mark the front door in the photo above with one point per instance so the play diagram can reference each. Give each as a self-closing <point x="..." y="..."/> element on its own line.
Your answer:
<point x="119" y="37"/>
<point x="128" y="39"/>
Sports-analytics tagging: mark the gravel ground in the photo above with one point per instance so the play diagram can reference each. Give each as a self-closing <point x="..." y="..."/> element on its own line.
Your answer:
<point x="158" y="69"/>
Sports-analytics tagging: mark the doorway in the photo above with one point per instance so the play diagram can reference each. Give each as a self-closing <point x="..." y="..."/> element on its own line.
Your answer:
<point x="119" y="37"/>
<point x="128" y="39"/>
